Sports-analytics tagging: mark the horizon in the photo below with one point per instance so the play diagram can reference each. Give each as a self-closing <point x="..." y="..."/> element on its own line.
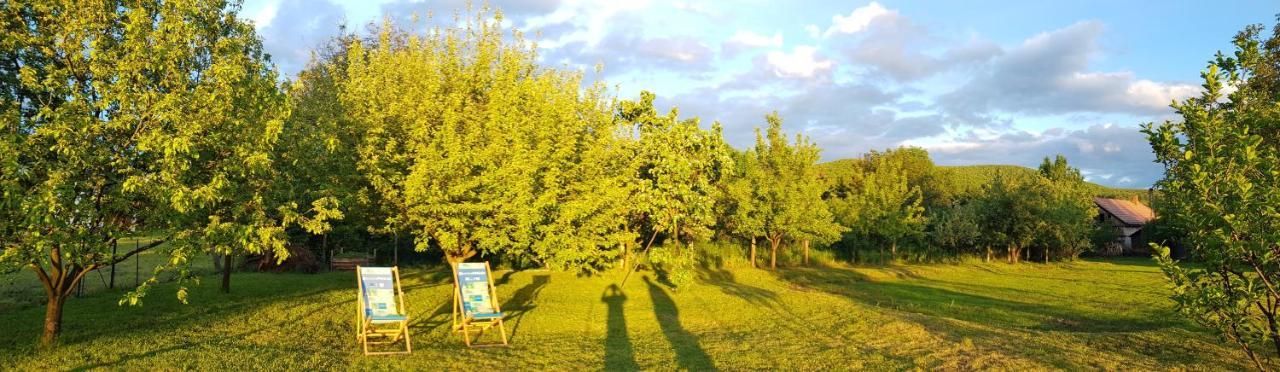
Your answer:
<point x="991" y="83"/>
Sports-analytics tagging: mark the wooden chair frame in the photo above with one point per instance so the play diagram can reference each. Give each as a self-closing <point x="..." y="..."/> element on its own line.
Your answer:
<point x="467" y="324"/>
<point x="367" y="328"/>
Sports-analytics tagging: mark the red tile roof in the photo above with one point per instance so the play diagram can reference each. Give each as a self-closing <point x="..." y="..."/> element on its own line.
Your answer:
<point x="1129" y="212"/>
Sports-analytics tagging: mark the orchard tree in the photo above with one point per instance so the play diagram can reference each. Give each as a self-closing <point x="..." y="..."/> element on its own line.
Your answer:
<point x="891" y="210"/>
<point x="788" y="191"/>
<point x="675" y="168"/>
<point x="1221" y="189"/>
<point x="476" y="148"/>
<point x="124" y="116"/>
<point x="1069" y="211"/>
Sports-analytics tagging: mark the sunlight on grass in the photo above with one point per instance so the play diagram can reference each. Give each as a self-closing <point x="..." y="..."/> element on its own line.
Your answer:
<point x="1103" y="315"/>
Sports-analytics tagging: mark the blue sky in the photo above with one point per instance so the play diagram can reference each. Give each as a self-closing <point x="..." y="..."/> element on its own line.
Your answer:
<point x="974" y="82"/>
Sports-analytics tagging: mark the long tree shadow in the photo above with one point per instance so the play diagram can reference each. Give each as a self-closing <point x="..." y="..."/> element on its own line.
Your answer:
<point x="689" y="354"/>
<point x="523" y="301"/>
<point x="619" y="354"/>
<point x="928" y="300"/>
<point x="725" y="280"/>
<point x="957" y="316"/>
<point x="230" y="339"/>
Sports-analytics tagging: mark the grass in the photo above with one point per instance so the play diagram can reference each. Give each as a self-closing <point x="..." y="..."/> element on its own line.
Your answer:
<point x="21" y="288"/>
<point x="1085" y="315"/>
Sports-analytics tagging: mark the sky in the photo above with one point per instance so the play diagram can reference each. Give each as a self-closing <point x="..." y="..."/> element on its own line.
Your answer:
<point x="973" y="82"/>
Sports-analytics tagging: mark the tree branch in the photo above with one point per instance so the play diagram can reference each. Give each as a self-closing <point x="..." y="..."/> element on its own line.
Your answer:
<point x="153" y="244"/>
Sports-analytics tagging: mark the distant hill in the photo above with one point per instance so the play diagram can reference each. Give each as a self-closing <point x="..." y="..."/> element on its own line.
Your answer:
<point x="972" y="177"/>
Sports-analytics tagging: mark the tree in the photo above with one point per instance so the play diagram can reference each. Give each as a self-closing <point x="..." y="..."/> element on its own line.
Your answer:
<point x="787" y="190"/>
<point x="122" y="115"/>
<point x="476" y="148"/>
<point x="1010" y="214"/>
<point x="1069" y="212"/>
<point x="1221" y="190"/>
<point x="674" y="169"/>
<point x="891" y="209"/>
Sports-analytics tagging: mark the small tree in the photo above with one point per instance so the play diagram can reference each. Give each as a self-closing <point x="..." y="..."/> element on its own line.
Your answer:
<point x="1221" y="188"/>
<point x="787" y="190"/>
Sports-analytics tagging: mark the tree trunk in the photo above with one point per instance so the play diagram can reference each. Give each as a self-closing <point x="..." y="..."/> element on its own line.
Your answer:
<point x="806" y="252"/>
<point x="988" y="254"/>
<point x="753" y="252"/>
<point x="893" y="251"/>
<point x="226" y="273"/>
<point x="53" y="318"/>
<point x="773" y="252"/>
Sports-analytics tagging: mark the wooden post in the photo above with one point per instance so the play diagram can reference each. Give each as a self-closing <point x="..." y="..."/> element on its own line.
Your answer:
<point x="114" y="246"/>
<point x="806" y="252"/>
<point x="137" y="263"/>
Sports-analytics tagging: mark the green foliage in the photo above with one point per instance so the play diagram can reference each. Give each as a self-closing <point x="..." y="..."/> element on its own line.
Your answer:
<point x="674" y="170"/>
<point x="169" y="108"/>
<point x="476" y="148"/>
<point x="1221" y="190"/>
<point x="781" y="187"/>
<point x="881" y="207"/>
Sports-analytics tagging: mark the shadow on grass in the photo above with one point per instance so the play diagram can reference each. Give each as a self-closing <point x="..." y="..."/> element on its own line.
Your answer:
<point x="725" y="280"/>
<point x="522" y="301"/>
<point x="87" y="322"/>
<point x="927" y="300"/>
<point x="689" y="353"/>
<point x="619" y="354"/>
<point x="993" y="322"/>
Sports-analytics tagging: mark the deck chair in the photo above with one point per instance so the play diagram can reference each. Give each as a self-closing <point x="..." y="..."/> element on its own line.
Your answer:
<point x="475" y="303"/>
<point x="380" y="315"/>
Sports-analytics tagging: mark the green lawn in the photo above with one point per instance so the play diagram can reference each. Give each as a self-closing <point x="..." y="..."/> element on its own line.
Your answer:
<point x="22" y="288"/>
<point x="1085" y="315"/>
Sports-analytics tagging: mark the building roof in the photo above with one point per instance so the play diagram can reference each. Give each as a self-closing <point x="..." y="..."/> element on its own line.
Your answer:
<point x="1131" y="213"/>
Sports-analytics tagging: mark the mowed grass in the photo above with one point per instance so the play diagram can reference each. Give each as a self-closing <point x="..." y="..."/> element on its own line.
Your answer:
<point x="1083" y="315"/>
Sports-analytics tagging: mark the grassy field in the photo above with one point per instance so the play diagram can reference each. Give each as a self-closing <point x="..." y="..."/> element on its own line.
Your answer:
<point x="1085" y="315"/>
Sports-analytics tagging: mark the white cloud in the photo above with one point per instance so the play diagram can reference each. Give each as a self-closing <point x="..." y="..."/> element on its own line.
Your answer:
<point x="750" y="39"/>
<point x="589" y="20"/>
<point x="265" y="15"/>
<point x="857" y="20"/>
<point x="1048" y="74"/>
<point x="802" y="62"/>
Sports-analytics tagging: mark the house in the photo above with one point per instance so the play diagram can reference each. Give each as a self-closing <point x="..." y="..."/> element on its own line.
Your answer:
<point x="1128" y="217"/>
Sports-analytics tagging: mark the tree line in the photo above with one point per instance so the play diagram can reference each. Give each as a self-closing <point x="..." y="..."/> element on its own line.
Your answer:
<point x="169" y="117"/>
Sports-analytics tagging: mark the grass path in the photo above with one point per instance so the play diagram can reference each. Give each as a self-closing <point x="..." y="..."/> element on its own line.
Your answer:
<point x="1084" y="315"/>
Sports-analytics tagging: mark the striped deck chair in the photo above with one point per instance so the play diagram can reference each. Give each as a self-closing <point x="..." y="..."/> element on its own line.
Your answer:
<point x="475" y="303"/>
<point x="380" y="315"/>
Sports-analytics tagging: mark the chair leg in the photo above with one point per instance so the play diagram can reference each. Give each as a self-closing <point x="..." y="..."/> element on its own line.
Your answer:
<point x="408" y="344"/>
<point x="502" y="330"/>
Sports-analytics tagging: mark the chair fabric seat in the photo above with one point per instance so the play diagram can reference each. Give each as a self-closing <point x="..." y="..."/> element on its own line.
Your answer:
<point x="387" y="318"/>
<point x="487" y="315"/>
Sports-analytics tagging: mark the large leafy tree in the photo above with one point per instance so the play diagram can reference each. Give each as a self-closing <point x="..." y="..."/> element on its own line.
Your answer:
<point x="127" y="115"/>
<point x="1221" y="189"/>
<point x="476" y="148"/>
